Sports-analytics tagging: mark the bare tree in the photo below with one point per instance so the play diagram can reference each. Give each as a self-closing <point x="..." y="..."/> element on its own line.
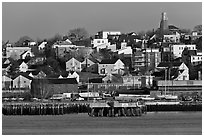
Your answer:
<point x="78" y="34"/>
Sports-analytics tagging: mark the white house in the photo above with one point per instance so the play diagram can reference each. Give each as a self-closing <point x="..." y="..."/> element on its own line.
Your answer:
<point x="175" y="38"/>
<point x="111" y="66"/>
<point x="22" y="81"/>
<point x="96" y="42"/>
<point x="42" y="45"/>
<point x="23" y="67"/>
<point x="15" y="52"/>
<point x="126" y="50"/>
<point x="6" y="61"/>
<point x="179" y="71"/>
<point x="73" y="75"/>
<point x="32" y="43"/>
<point x="27" y="54"/>
<point x="104" y="34"/>
<point x="196" y="59"/>
<point x="73" y="65"/>
<point x="6" y="82"/>
<point x="183" y="72"/>
<point x="177" y="50"/>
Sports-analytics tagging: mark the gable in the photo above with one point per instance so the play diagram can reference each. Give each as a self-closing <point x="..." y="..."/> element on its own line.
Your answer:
<point x="23" y="64"/>
<point x="7" y="61"/>
<point x="119" y="62"/>
<point x="6" y="78"/>
<point x="88" y="61"/>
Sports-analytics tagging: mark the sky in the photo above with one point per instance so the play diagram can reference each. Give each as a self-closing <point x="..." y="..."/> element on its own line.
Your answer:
<point x="45" y="19"/>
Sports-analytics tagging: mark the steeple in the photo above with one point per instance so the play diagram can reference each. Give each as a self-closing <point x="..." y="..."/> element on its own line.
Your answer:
<point x="163" y="24"/>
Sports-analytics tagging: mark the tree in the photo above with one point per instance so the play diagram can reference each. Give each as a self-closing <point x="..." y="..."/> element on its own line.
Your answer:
<point x="23" y="41"/>
<point x="185" y="31"/>
<point x="198" y="28"/>
<point x="78" y="34"/>
<point x="186" y="58"/>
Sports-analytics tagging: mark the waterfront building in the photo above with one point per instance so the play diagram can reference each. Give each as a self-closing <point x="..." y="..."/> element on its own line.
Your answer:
<point x="46" y="87"/>
<point x="111" y="66"/>
<point x="22" y="80"/>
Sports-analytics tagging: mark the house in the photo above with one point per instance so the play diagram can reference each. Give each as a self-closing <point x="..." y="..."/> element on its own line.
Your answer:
<point x="23" y="67"/>
<point x="105" y="34"/>
<point x="5" y="68"/>
<point x="73" y="65"/>
<point x="177" y="50"/>
<point x="46" y="87"/>
<point x="26" y="54"/>
<point x="32" y="43"/>
<point x="89" y="65"/>
<point x="7" y="82"/>
<point x="106" y="46"/>
<point x="196" y="59"/>
<point x="174" y="70"/>
<point x="36" y="61"/>
<point x="73" y="75"/>
<point x="62" y="47"/>
<point x="42" y="45"/>
<point x="112" y="78"/>
<point x="6" y="61"/>
<point x="174" y="38"/>
<point x="111" y="66"/>
<point x="22" y="80"/>
<point x="125" y="50"/>
<point x="15" y="52"/>
<point x="40" y="75"/>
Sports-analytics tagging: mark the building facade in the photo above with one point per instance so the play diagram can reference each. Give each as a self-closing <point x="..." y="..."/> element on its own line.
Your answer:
<point x="177" y="50"/>
<point x="73" y="65"/>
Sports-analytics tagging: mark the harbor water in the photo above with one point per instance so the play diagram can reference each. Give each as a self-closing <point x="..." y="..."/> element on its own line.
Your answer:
<point x="153" y="123"/>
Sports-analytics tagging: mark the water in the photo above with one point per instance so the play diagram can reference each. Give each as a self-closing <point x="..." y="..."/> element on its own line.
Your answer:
<point x="153" y="123"/>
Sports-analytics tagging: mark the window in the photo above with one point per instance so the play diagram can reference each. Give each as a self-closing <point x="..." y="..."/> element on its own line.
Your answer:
<point x="98" y="41"/>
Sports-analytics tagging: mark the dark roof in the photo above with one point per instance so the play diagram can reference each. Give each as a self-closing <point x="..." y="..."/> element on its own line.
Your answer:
<point x="109" y="61"/>
<point x="168" y="64"/>
<point x="24" y="74"/>
<point x="57" y="81"/>
<point x="95" y="80"/>
<point x="23" y="53"/>
<point x="171" y="27"/>
<point x="192" y="52"/>
<point x="5" y="65"/>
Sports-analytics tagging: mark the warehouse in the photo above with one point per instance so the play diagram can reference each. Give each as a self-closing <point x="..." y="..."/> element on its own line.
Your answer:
<point x="45" y="88"/>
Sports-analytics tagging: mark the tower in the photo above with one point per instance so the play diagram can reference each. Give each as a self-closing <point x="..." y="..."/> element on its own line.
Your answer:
<point x="163" y="24"/>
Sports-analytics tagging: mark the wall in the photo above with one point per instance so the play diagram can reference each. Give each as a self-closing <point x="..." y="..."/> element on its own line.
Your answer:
<point x="21" y="82"/>
<point x="15" y="52"/>
<point x="73" y="65"/>
<point x="178" y="49"/>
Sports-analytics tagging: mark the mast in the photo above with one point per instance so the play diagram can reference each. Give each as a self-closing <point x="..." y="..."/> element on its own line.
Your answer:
<point x="165" y="82"/>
